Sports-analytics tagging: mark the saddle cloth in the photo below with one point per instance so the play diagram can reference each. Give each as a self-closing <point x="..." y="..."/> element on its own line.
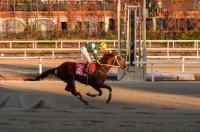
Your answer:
<point x="81" y="68"/>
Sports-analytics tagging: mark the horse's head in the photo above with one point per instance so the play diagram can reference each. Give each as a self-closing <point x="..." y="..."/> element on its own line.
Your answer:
<point x="119" y="61"/>
<point x="114" y="59"/>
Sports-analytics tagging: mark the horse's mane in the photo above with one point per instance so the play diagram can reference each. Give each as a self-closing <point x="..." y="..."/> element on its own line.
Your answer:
<point x="106" y="57"/>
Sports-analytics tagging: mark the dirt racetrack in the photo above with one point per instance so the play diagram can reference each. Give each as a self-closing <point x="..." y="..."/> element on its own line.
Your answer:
<point x="44" y="106"/>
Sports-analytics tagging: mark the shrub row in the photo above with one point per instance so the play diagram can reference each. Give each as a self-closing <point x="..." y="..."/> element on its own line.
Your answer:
<point x="52" y="35"/>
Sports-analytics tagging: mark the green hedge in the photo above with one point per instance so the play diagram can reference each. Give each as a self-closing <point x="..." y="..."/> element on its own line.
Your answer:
<point x="173" y="35"/>
<point x="53" y="35"/>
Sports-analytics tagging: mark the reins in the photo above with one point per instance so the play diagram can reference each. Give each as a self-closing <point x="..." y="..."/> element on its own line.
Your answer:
<point x="115" y="59"/>
<point x="119" y="65"/>
<point x="109" y="65"/>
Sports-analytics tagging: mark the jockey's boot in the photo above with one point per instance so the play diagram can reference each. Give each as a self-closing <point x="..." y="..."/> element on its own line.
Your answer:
<point x="87" y="73"/>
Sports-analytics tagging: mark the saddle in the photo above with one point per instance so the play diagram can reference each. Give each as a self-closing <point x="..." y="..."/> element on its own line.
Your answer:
<point x="81" y="68"/>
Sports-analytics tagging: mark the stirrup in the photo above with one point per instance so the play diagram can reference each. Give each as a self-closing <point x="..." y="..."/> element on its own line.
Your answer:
<point x="87" y="78"/>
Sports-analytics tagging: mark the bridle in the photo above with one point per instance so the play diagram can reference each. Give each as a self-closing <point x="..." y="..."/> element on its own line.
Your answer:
<point x="115" y="60"/>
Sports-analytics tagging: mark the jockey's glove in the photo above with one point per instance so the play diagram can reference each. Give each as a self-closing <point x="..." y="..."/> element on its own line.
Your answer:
<point x="98" y="61"/>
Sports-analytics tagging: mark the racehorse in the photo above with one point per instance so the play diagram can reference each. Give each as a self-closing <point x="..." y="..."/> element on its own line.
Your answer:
<point x="67" y="73"/>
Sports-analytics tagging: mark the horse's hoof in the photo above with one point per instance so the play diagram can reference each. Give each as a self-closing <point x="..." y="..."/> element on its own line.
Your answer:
<point x="88" y="94"/>
<point x="86" y="103"/>
<point x="91" y="95"/>
<point x="66" y="89"/>
<point x="29" y="79"/>
<point x="108" y="101"/>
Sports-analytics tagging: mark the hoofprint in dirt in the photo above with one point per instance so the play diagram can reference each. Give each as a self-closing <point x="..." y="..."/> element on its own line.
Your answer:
<point x="139" y="107"/>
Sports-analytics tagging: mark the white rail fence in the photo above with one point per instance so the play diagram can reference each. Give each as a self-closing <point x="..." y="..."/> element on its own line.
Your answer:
<point x="60" y="45"/>
<point x="179" y="65"/>
<point x="150" y="65"/>
<point x="63" y="45"/>
<point x="56" y="43"/>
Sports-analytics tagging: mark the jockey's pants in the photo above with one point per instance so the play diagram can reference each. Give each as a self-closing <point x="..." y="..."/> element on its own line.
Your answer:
<point x="85" y="53"/>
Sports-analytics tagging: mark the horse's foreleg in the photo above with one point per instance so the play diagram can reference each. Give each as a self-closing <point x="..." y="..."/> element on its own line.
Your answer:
<point x="98" y="88"/>
<point x="110" y="92"/>
<point x="67" y="88"/>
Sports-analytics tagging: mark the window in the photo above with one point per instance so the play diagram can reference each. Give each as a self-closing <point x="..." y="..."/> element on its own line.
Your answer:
<point x="190" y="24"/>
<point x="111" y="24"/>
<point x="78" y="26"/>
<point x="86" y="26"/>
<point x="64" y="25"/>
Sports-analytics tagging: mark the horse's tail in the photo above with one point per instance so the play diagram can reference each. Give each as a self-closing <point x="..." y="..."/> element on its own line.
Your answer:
<point x="43" y="75"/>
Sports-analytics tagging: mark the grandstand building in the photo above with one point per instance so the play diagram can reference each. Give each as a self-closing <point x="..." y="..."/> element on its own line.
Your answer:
<point x="93" y="16"/>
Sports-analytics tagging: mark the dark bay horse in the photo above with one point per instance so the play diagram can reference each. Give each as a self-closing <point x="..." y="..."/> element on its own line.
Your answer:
<point x="67" y="73"/>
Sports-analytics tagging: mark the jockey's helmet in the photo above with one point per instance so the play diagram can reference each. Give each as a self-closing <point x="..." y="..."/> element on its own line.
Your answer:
<point x="103" y="45"/>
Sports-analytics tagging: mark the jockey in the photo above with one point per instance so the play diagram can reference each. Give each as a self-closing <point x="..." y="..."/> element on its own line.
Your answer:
<point x="94" y="48"/>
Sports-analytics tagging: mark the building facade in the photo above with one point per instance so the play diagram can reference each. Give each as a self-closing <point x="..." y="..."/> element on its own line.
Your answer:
<point x="93" y="16"/>
<point x="175" y="15"/>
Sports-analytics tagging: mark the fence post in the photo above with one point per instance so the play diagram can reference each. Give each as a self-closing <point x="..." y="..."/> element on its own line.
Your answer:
<point x="61" y="44"/>
<point x="10" y="45"/>
<point x="173" y="44"/>
<point x="152" y="73"/>
<point x="53" y="54"/>
<point x="197" y="46"/>
<point x="114" y="43"/>
<point x="149" y="43"/>
<point x="33" y="44"/>
<point x="25" y="54"/>
<point x="40" y="66"/>
<point x="79" y="44"/>
<point x="168" y="50"/>
<point x="183" y="64"/>
<point x="56" y="44"/>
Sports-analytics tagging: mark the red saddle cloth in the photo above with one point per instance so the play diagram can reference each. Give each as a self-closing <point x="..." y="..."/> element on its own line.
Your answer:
<point x="81" y="68"/>
<point x="92" y="68"/>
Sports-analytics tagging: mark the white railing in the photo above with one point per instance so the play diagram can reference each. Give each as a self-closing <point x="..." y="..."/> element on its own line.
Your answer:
<point x="172" y="43"/>
<point x="150" y="64"/>
<point x="169" y="43"/>
<point x="57" y="43"/>
<point x="60" y="45"/>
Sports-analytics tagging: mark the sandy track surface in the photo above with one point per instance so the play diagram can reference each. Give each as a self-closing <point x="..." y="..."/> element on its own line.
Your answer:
<point x="43" y="106"/>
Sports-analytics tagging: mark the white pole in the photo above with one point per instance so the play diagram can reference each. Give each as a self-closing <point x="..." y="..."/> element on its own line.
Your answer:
<point x="183" y="64"/>
<point x="144" y="36"/>
<point x="53" y="54"/>
<point x="25" y="55"/>
<point x="61" y="44"/>
<point x="40" y="66"/>
<point x="152" y="73"/>
<point x="10" y="45"/>
<point x="144" y="25"/>
<point x="119" y="23"/>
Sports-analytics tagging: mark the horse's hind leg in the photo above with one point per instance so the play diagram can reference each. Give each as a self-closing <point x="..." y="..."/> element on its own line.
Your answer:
<point x="71" y="87"/>
<point x="77" y="94"/>
<point x="95" y="95"/>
